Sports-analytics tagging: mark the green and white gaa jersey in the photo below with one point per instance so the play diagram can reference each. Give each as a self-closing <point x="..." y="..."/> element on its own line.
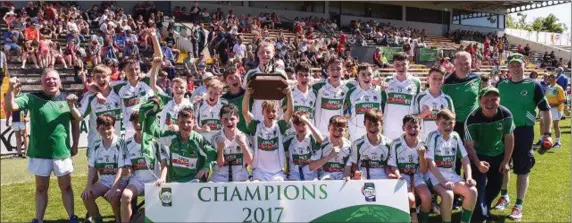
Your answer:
<point x="170" y="112"/>
<point x="370" y="158"/>
<point x="358" y="101"/>
<point x="256" y="108"/>
<point x="233" y="156"/>
<point x="146" y="170"/>
<point x="398" y="98"/>
<point x="445" y="152"/>
<point x="436" y="104"/>
<point x="303" y="101"/>
<point x="207" y="115"/>
<point x="107" y="161"/>
<point x="300" y="153"/>
<point x="404" y="157"/>
<point x="90" y="106"/>
<point x="269" y="155"/>
<point x="329" y="102"/>
<point x="338" y="163"/>
<point x="131" y="99"/>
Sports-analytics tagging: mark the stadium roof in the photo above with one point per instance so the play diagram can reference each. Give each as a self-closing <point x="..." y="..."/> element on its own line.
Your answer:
<point x="499" y="7"/>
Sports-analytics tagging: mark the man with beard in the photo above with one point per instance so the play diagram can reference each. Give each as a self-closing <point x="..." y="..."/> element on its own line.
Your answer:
<point x="522" y="96"/>
<point x="49" y="150"/>
<point x="111" y="105"/>
<point x="235" y="94"/>
<point x="398" y="96"/>
<point x="489" y="142"/>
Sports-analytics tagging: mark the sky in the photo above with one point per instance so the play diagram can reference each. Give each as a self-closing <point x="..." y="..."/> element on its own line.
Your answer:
<point x="562" y="12"/>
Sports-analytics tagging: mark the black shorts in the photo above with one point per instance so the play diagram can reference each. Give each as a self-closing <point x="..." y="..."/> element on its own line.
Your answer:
<point x="523" y="155"/>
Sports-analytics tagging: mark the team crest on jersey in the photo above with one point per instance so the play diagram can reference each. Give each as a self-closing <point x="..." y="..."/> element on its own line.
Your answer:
<point x="524" y="92"/>
<point x="499" y="127"/>
<point x="375" y="98"/>
<point x="366" y="98"/>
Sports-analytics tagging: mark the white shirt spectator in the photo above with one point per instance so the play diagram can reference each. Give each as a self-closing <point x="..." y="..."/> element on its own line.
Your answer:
<point x="239" y="50"/>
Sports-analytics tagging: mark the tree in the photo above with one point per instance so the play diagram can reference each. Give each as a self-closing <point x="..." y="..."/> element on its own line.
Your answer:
<point x="520" y="23"/>
<point x="548" y="24"/>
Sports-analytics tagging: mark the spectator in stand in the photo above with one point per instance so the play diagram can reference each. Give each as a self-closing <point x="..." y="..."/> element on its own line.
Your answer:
<point x="29" y="51"/>
<point x="11" y="40"/>
<point x="164" y="82"/>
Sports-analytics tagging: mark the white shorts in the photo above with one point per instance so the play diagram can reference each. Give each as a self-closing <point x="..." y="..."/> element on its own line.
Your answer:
<point x="139" y="185"/>
<point x="44" y="167"/>
<point x="419" y="180"/>
<point x="260" y="175"/>
<point x="556" y="114"/>
<point x="107" y="183"/>
<point x="332" y="176"/>
<point x="295" y="176"/>
<point x="17" y="126"/>
<point x="453" y="177"/>
<point x="237" y="176"/>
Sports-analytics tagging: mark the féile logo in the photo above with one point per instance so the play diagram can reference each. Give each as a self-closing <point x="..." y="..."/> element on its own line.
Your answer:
<point x="368" y="191"/>
<point x="166" y="197"/>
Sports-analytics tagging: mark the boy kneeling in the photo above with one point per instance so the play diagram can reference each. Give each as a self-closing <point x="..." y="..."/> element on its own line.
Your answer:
<point x="444" y="147"/>
<point x="107" y="160"/>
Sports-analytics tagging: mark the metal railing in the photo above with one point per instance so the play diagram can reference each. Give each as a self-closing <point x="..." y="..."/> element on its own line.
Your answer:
<point x="559" y="39"/>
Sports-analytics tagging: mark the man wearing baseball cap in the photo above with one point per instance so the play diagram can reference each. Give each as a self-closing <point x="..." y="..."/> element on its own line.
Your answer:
<point x="521" y="96"/>
<point x="489" y="142"/>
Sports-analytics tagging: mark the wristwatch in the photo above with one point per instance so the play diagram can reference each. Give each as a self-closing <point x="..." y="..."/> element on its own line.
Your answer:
<point x="548" y="134"/>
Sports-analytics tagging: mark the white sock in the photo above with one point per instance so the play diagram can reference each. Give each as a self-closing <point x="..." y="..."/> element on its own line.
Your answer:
<point x="558" y="140"/>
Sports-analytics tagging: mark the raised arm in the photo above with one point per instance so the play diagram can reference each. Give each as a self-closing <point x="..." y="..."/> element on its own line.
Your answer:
<point x="9" y="96"/>
<point x="289" y="106"/>
<point x="248" y="117"/>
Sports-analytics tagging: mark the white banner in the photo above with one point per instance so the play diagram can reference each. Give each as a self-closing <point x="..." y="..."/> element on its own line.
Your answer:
<point x="289" y="201"/>
<point x="8" y="138"/>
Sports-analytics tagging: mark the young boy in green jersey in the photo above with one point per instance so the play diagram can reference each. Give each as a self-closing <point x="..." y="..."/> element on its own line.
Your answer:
<point x="190" y="154"/>
<point x="142" y="158"/>
<point x="235" y="93"/>
<point x="406" y="162"/>
<point x="444" y="146"/>
<point x="107" y="161"/>
<point x="233" y="154"/>
<point x="371" y="151"/>
<point x="268" y="148"/>
<point x="334" y="152"/>
<point x="300" y="147"/>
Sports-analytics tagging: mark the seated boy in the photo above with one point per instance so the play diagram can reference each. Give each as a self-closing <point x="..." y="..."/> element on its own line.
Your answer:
<point x="301" y="145"/>
<point x="444" y="147"/>
<point x="371" y="151"/>
<point x="107" y="161"/>
<point x="233" y="154"/>
<point x="334" y="152"/>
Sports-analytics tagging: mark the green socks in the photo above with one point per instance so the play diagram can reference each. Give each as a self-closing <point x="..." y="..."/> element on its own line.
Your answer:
<point x="504" y="193"/>
<point x="519" y="202"/>
<point x="98" y="219"/>
<point x="466" y="215"/>
<point x="423" y="216"/>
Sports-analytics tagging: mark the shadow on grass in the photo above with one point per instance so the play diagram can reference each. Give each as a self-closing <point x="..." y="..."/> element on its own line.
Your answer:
<point x="456" y="217"/>
<point x="109" y="218"/>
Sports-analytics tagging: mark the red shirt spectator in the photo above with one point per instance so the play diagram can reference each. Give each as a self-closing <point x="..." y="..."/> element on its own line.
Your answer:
<point x="343" y="39"/>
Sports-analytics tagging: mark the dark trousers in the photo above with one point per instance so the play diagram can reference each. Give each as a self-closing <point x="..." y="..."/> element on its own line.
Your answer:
<point x="460" y="129"/>
<point x="488" y="184"/>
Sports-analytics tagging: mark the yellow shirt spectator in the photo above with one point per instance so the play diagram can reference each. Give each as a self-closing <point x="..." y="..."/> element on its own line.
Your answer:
<point x="555" y="96"/>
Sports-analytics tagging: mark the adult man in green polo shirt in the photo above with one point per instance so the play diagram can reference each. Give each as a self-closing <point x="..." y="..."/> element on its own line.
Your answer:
<point x="489" y="142"/>
<point x="49" y="149"/>
<point x="521" y="96"/>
